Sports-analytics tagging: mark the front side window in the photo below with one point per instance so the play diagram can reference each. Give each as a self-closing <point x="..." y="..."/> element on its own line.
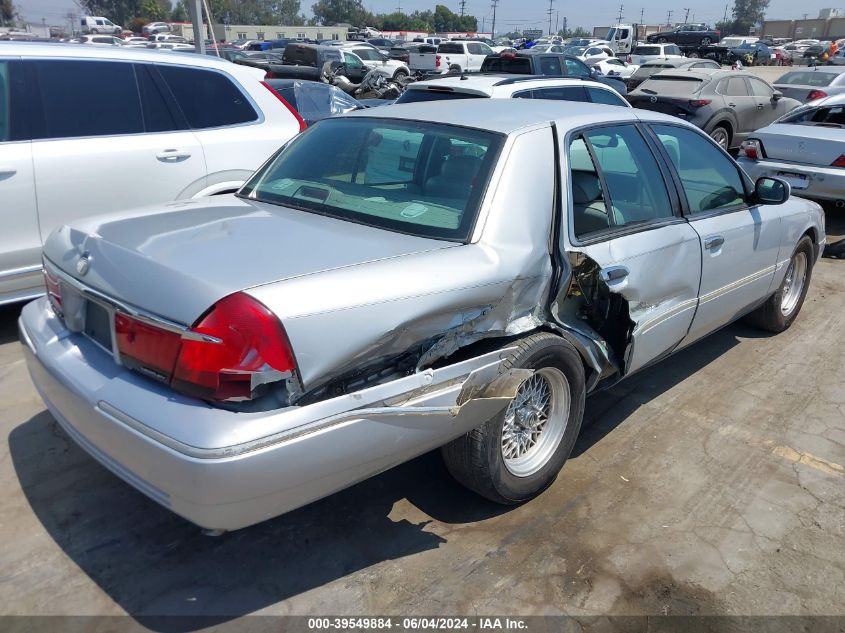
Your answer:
<point x="760" y="88"/>
<point x="87" y="98"/>
<point x="574" y="68"/>
<point x="207" y="98"/>
<point x="710" y="180"/>
<point x="352" y="61"/>
<point x="474" y="48"/>
<point x="550" y="66"/>
<point x="411" y="177"/>
<point x="616" y="181"/>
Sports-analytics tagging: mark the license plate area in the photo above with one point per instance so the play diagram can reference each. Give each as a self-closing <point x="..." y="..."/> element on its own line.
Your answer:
<point x="98" y="324"/>
<point x="796" y="181"/>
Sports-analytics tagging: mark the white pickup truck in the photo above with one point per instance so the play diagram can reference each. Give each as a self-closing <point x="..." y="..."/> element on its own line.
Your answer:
<point x="452" y="56"/>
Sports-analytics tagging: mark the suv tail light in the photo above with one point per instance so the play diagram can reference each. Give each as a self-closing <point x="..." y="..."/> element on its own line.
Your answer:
<point x="54" y="292"/>
<point x="699" y="103"/>
<point x="299" y="119"/>
<point x="231" y="351"/>
<point x="752" y="148"/>
<point x="437" y="61"/>
<point x="839" y="162"/>
<point x="718" y="33"/>
<point x="816" y="94"/>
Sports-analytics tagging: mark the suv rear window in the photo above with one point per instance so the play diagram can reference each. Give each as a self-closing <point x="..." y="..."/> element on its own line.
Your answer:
<point x="647" y="50"/>
<point x="671" y="85"/>
<point x="416" y="96"/>
<point x="207" y="98"/>
<point x="424" y="179"/>
<point x="513" y="65"/>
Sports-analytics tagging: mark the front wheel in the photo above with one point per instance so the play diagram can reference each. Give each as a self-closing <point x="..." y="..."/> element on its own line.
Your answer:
<point x="706" y="41"/>
<point x="518" y="454"/>
<point x="400" y="74"/>
<point x="662" y="40"/>
<point x="782" y="308"/>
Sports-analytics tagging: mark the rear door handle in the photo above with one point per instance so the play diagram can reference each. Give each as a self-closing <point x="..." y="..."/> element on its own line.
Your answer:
<point x="172" y="155"/>
<point x="7" y="172"/>
<point x="713" y="242"/>
<point x="759" y="106"/>
<point x="613" y="274"/>
<point x="733" y="105"/>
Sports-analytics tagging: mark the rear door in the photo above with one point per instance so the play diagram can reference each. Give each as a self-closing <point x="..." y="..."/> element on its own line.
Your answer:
<point x="740" y="242"/>
<point x="744" y="107"/>
<point x="20" y="242"/>
<point x="624" y="216"/>
<point x="106" y="138"/>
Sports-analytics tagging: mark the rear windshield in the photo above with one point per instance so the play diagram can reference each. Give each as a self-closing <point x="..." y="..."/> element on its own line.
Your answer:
<point x="671" y="85"/>
<point x="647" y="50"/>
<point x="515" y="65"/>
<point x="830" y="116"/>
<point x="424" y="179"/>
<point x="648" y="71"/>
<point x="415" y="96"/>
<point x="807" y="78"/>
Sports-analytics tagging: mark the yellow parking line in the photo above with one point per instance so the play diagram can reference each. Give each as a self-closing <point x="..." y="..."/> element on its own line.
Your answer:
<point x="830" y="468"/>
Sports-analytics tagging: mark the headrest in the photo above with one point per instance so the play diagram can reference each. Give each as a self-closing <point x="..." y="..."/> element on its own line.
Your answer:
<point x="586" y="187"/>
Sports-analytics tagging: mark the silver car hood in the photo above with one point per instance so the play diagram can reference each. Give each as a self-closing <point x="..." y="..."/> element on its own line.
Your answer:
<point x="177" y="260"/>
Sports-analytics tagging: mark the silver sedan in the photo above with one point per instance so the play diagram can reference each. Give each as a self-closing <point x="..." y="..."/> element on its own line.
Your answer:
<point x="806" y="148"/>
<point x="388" y="284"/>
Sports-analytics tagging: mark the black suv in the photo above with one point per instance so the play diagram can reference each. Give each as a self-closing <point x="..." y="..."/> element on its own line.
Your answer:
<point x="548" y="64"/>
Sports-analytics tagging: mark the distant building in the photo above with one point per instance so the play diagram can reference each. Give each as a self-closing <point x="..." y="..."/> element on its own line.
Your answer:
<point x="831" y="28"/>
<point x="825" y="14"/>
<point x="230" y="32"/>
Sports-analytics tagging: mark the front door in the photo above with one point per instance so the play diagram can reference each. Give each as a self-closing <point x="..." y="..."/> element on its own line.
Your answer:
<point x="625" y="218"/>
<point x="740" y="242"/>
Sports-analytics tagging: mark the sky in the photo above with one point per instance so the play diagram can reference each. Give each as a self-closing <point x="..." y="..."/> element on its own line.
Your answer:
<point x="516" y="14"/>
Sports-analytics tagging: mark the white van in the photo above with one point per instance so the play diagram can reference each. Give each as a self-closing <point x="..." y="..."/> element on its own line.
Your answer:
<point x="98" y="24"/>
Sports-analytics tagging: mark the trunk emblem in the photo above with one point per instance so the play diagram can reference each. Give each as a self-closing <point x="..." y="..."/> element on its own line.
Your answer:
<point x="83" y="264"/>
<point x="653" y="99"/>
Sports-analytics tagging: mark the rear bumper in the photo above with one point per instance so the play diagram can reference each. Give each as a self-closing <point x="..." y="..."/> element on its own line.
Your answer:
<point x="823" y="183"/>
<point x="273" y="461"/>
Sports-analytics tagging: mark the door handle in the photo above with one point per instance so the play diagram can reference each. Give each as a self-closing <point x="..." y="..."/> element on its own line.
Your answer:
<point x="613" y="274"/>
<point x="713" y="242"/>
<point x="759" y="106"/>
<point x="172" y="155"/>
<point x="733" y="105"/>
<point x="7" y="172"/>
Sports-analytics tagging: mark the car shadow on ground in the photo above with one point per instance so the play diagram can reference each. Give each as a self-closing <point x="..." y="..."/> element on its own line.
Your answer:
<point x="9" y="323"/>
<point x="152" y="563"/>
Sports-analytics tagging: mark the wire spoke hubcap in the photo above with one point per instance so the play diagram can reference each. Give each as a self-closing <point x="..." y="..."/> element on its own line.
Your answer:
<point x="793" y="283"/>
<point x="535" y="422"/>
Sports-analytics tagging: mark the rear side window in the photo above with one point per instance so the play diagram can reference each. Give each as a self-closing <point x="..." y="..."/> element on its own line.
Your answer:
<point x="734" y="87"/>
<point x="87" y="98"/>
<point x="156" y="107"/>
<point x="647" y="50"/>
<point x="415" y="96"/>
<point x="451" y="49"/>
<point x="550" y="66"/>
<point x="207" y="98"/>
<point x="13" y="106"/>
<point x="514" y="65"/>
<point x="561" y="93"/>
<point x="597" y="95"/>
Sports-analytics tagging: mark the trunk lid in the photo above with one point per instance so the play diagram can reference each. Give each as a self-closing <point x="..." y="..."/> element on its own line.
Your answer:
<point x="804" y="144"/>
<point x="178" y="260"/>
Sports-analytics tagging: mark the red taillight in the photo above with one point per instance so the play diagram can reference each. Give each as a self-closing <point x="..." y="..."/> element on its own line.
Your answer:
<point x="752" y="148"/>
<point x="145" y="347"/>
<point x="629" y="59"/>
<point x="718" y="33"/>
<point x="236" y="347"/>
<point x="54" y="291"/>
<point x="299" y="119"/>
<point x="253" y="349"/>
<point x="839" y="162"/>
<point x="437" y="61"/>
<point x="816" y="94"/>
<point x="699" y="103"/>
<point x="269" y="75"/>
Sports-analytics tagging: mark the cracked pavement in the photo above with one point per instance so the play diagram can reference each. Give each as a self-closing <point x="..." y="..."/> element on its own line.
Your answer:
<point x="712" y="483"/>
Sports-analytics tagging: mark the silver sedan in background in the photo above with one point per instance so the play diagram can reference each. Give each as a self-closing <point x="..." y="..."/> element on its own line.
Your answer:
<point x="421" y="284"/>
<point x="809" y="84"/>
<point x="806" y="148"/>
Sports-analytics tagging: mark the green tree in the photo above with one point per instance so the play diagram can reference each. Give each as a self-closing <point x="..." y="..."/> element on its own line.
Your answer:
<point x="8" y="13"/>
<point x="331" y="12"/>
<point x="747" y="13"/>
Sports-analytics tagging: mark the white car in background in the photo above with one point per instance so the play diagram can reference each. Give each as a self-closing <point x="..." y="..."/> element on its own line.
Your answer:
<point x="614" y="67"/>
<point x="649" y="52"/>
<point x="374" y="59"/>
<point x="593" y="54"/>
<point x="136" y="42"/>
<point x="156" y="27"/>
<point x="92" y="130"/>
<point x="462" y="55"/>
<point x="98" y="40"/>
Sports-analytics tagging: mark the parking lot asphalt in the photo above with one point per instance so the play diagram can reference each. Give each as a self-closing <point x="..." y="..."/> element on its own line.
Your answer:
<point x="713" y="483"/>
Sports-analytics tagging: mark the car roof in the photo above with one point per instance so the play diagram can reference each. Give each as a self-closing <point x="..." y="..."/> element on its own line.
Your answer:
<point x="507" y="116"/>
<point x="703" y="73"/>
<point x="486" y="83"/>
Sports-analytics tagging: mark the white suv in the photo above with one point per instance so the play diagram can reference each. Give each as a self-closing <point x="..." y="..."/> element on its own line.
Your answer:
<point x="374" y="59"/>
<point x="644" y="53"/>
<point x="86" y="130"/>
<point x="512" y="87"/>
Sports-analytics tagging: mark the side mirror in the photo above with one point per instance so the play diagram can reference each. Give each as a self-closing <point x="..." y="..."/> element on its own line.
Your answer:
<point x="777" y="95"/>
<point x="772" y="190"/>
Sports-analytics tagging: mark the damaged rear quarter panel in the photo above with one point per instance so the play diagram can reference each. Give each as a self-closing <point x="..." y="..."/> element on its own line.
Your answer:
<point x="497" y="285"/>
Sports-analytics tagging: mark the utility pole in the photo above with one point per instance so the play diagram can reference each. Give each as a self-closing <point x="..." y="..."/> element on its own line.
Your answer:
<point x="493" y="29"/>
<point x="564" y="26"/>
<point x="725" y="18"/>
<point x="686" y="17"/>
<point x="669" y="18"/>
<point x="642" y="13"/>
<point x="619" y="17"/>
<point x="463" y="4"/>
<point x="557" y="22"/>
<point x="550" y="12"/>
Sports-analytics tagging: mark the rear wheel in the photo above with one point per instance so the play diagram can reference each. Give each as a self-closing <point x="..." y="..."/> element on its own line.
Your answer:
<point x="693" y="55"/>
<point x="518" y="454"/>
<point x="706" y="41"/>
<point x="722" y="136"/>
<point x="662" y="40"/>
<point x="455" y="69"/>
<point x="400" y="74"/>
<point x="781" y="309"/>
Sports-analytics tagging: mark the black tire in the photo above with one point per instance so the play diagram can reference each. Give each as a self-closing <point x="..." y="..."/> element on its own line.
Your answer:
<point x="706" y="41"/>
<point x="722" y="135"/>
<point x="770" y="316"/>
<point x="455" y="69"/>
<point x="662" y="40"/>
<point x="476" y="459"/>
<point x="693" y="55"/>
<point x="400" y="74"/>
